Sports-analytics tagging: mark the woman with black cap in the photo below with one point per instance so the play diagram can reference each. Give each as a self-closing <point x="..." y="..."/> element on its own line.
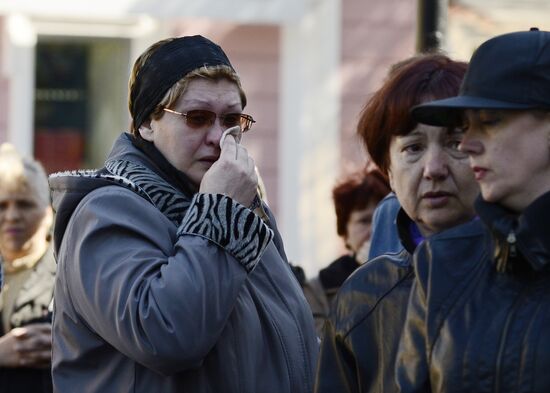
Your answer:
<point x="479" y="314"/>
<point x="168" y="281"/>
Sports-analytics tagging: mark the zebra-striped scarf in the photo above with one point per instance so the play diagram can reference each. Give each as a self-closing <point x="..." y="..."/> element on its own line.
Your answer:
<point x="171" y="202"/>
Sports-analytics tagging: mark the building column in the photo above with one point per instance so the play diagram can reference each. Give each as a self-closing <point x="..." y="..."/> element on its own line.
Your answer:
<point x="309" y="134"/>
<point x="19" y="71"/>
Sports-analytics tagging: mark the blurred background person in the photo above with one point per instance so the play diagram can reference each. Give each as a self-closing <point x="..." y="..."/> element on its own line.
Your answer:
<point x="29" y="270"/>
<point x="436" y="190"/>
<point x="355" y="199"/>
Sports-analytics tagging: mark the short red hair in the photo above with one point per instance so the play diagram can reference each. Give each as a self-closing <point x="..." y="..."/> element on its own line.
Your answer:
<point x="409" y="83"/>
<point x="356" y="192"/>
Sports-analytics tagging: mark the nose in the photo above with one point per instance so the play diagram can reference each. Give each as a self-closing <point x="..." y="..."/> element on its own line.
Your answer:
<point x="436" y="165"/>
<point x="215" y="132"/>
<point x="470" y="144"/>
<point x="11" y="213"/>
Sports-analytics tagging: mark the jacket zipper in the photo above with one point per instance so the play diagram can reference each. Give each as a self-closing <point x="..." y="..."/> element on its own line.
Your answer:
<point x="511" y="240"/>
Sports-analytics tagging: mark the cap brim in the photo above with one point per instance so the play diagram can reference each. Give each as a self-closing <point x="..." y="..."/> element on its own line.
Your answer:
<point x="448" y="112"/>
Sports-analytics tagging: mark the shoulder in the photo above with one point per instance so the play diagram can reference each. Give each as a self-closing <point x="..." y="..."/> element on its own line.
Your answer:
<point x="392" y="266"/>
<point x="447" y="264"/>
<point x="385" y="237"/>
<point x="389" y="275"/>
<point x="451" y="254"/>
<point x="114" y="212"/>
<point x="107" y="200"/>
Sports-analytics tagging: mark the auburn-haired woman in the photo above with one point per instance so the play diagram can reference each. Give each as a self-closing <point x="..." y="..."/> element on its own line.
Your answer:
<point x="479" y="315"/>
<point x="436" y="190"/>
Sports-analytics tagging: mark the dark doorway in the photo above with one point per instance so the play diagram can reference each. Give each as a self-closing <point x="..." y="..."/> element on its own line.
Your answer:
<point x="61" y="104"/>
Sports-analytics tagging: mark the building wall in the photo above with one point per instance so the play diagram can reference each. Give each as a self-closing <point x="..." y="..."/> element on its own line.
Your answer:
<point x="471" y="22"/>
<point x="4" y="85"/>
<point x="375" y="34"/>
<point x="254" y="52"/>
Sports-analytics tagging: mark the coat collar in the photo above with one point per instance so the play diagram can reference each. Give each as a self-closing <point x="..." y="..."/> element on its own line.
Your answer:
<point x="406" y="229"/>
<point x="527" y="233"/>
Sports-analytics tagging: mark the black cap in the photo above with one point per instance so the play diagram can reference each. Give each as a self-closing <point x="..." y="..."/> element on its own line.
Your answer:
<point x="510" y="71"/>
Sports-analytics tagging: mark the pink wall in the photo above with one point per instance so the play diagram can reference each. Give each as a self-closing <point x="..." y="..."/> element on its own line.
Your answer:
<point x="254" y="52"/>
<point x="375" y="34"/>
<point x="4" y="86"/>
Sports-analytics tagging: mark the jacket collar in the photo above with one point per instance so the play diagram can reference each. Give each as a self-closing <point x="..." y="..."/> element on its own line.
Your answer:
<point x="333" y="276"/>
<point x="405" y="228"/>
<point x="138" y="168"/>
<point x="526" y="233"/>
<point x="154" y="159"/>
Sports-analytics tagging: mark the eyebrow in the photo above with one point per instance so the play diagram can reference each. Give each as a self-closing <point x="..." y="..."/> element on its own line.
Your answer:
<point x="411" y="134"/>
<point x="454" y="130"/>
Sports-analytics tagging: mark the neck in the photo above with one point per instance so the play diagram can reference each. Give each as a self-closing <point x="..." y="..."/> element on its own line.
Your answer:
<point x="14" y="262"/>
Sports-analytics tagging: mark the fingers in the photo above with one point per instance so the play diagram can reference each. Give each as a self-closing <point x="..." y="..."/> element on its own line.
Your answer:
<point x="33" y="343"/>
<point x="228" y="147"/>
<point x="28" y="346"/>
<point x="234" y="131"/>
<point x="33" y="337"/>
<point x="232" y="151"/>
<point x="22" y="333"/>
<point x="37" y="358"/>
<point x="35" y="351"/>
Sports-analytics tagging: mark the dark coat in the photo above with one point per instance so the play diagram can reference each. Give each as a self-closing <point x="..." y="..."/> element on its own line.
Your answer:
<point x="359" y="341"/>
<point x="320" y="291"/>
<point x="479" y="314"/>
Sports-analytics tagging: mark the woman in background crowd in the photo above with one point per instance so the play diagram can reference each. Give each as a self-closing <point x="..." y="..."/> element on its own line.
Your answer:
<point x="479" y="314"/>
<point x="29" y="271"/>
<point x="436" y="189"/>
<point x="355" y="199"/>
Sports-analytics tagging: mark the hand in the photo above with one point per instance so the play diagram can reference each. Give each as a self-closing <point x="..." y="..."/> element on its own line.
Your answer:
<point x="28" y="346"/>
<point x="233" y="174"/>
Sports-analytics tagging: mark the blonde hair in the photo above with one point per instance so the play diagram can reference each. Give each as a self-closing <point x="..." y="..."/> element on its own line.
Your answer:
<point x="20" y="173"/>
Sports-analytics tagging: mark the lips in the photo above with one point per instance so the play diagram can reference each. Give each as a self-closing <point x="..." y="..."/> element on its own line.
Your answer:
<point x="209" y="159"/>
<point x="13" y="230"/>
<point x="436" y="198"/>
<point x="479" y="172"/>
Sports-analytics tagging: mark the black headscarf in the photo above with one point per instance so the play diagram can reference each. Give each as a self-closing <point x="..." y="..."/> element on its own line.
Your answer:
<point x="167" y="65"/>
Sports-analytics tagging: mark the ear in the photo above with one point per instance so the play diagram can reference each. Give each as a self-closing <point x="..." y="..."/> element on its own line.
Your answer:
<point x="390" y="179"/>
<point x="146" y="131"/>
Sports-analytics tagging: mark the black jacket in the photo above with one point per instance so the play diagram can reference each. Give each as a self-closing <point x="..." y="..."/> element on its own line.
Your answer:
<point x="479" y="314"/>
<point x="359" y="341"/>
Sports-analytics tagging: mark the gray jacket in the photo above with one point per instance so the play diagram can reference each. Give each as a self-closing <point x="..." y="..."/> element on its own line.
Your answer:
<point x="145" y="305"/>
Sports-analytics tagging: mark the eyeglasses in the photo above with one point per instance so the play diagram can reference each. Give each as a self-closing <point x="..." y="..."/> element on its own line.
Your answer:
<point x="199" y="118"/>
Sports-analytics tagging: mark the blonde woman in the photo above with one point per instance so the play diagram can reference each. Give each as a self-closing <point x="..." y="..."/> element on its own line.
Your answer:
<point x="29" y="269"/>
